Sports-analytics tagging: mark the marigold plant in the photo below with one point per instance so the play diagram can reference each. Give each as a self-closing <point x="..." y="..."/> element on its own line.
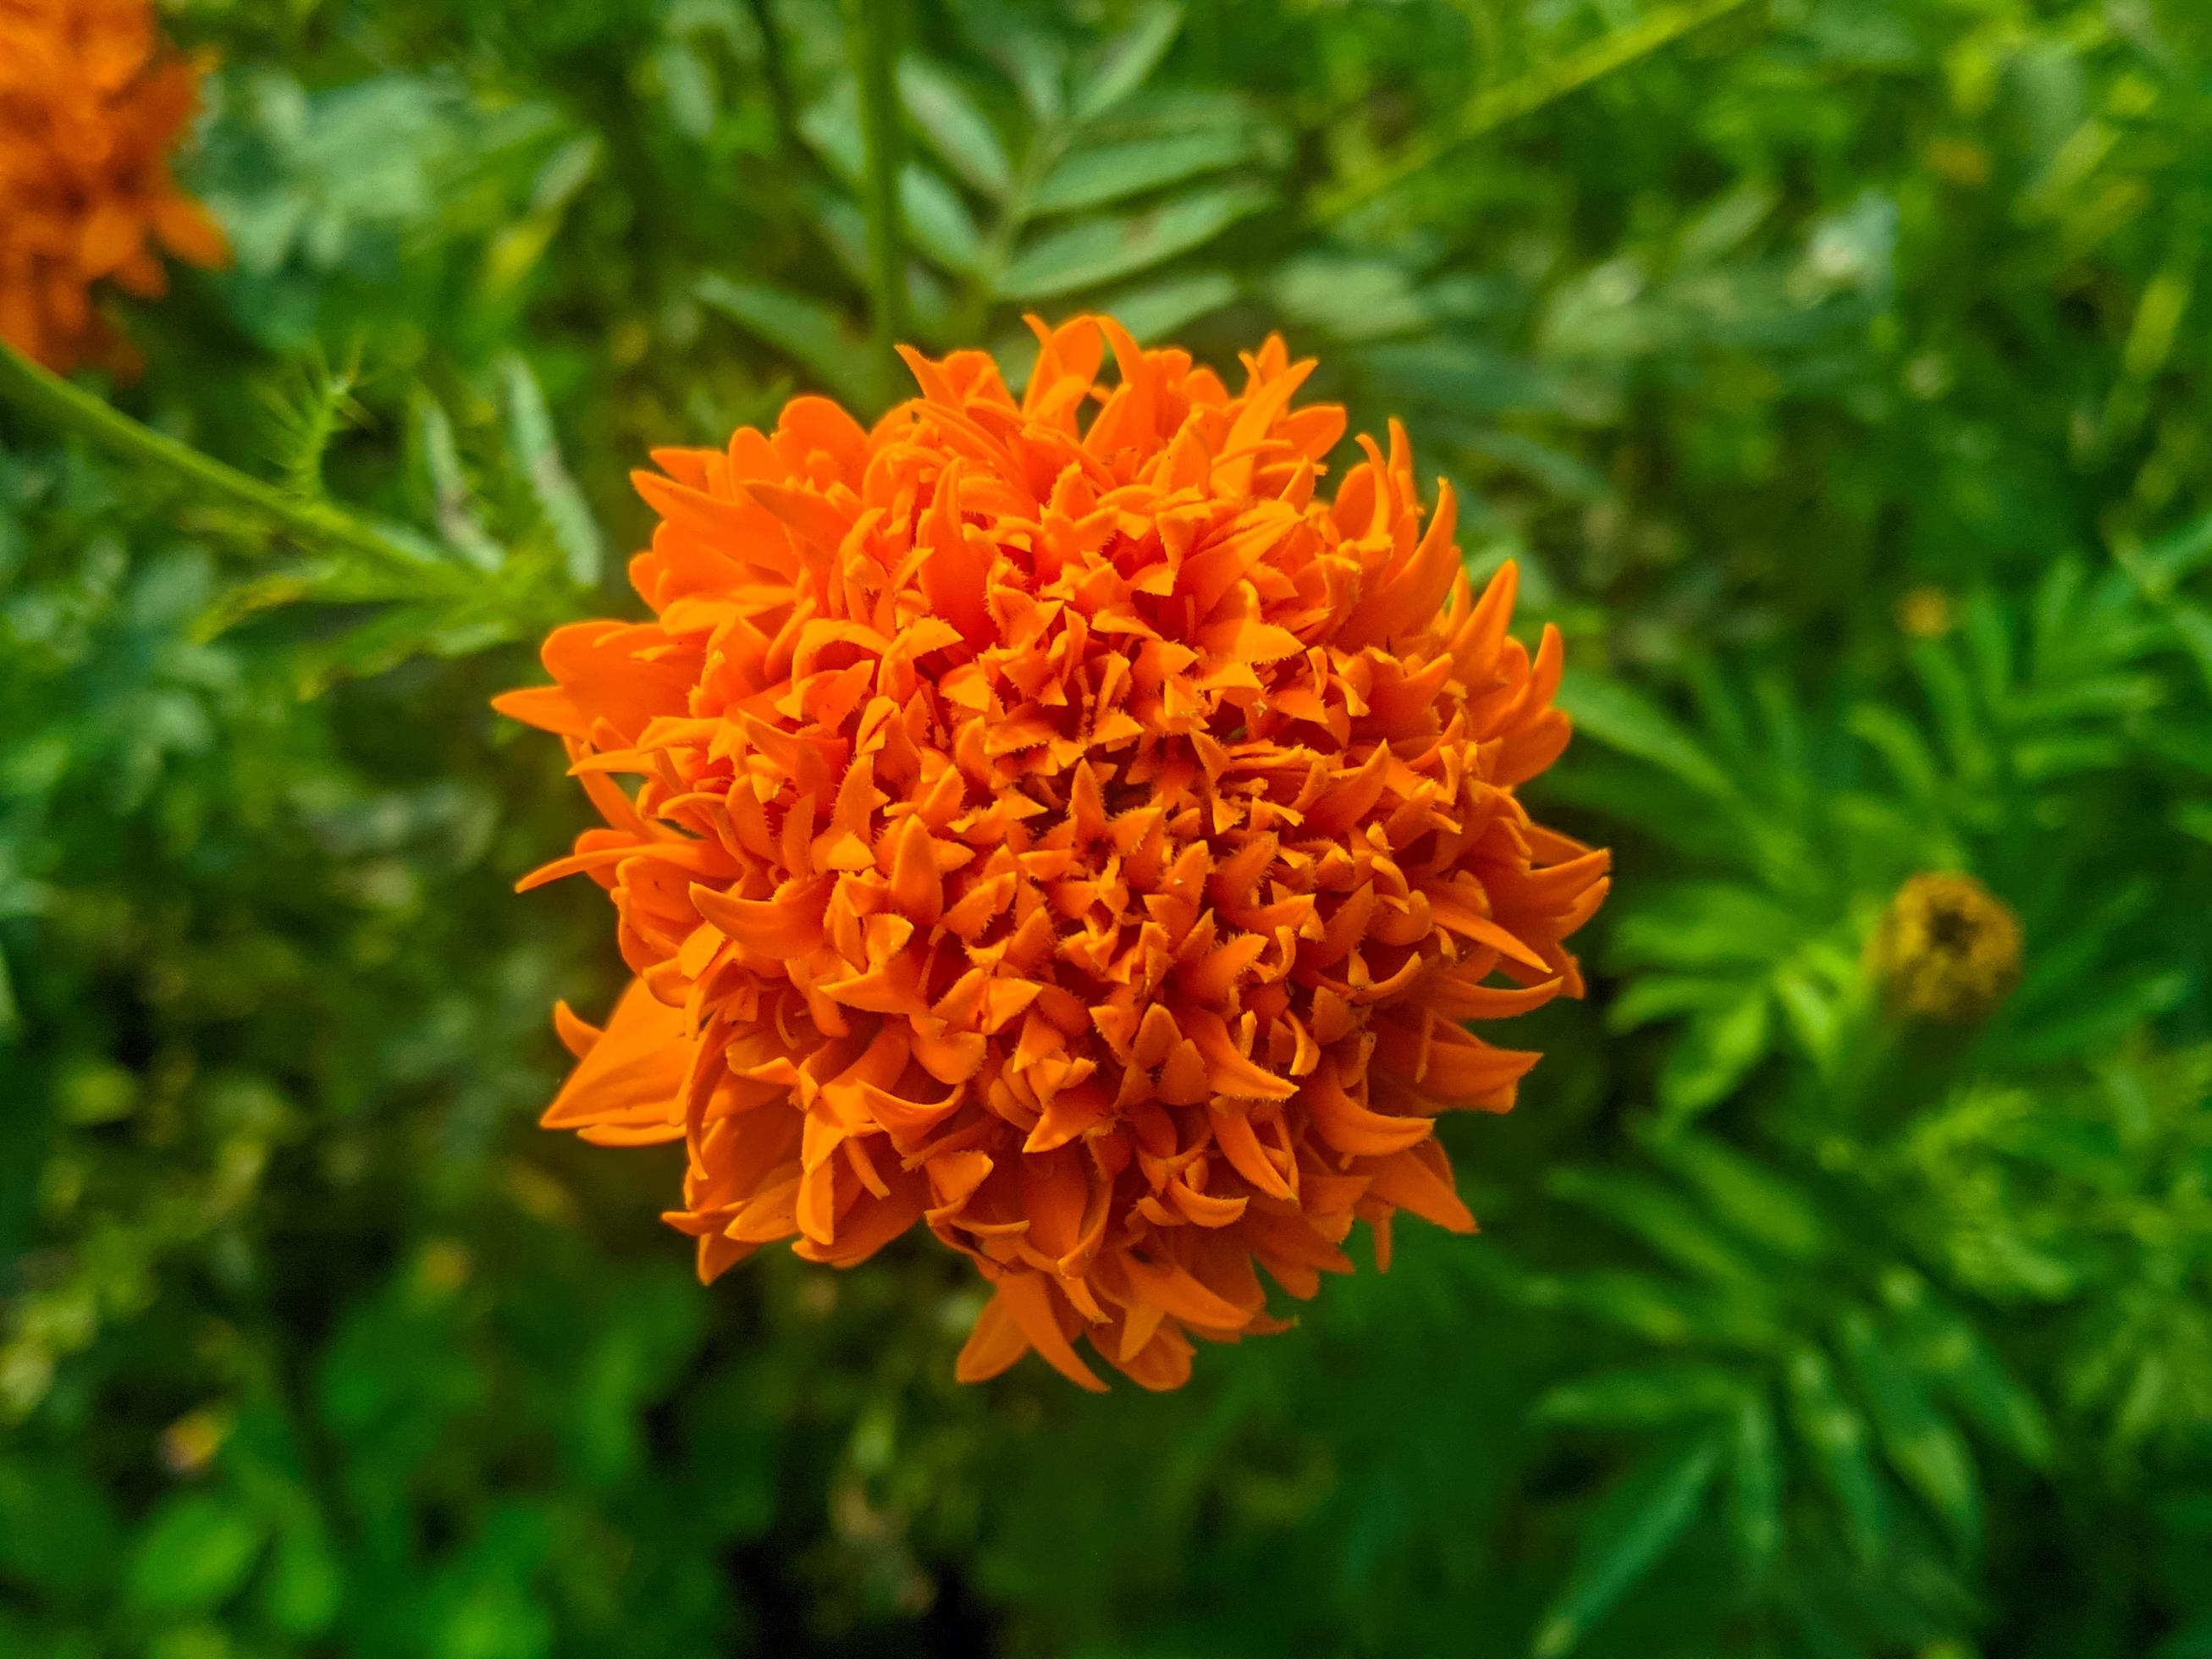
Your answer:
<point x="91" y="105"/>
<point x="1060" y="825"/>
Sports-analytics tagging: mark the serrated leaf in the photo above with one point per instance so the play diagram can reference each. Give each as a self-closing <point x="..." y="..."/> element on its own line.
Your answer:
<point x="2172" y="558"/>
<point x="452" y="501"/>
<point x="58" y="1531"/>
<point x="1708" y="926"/>
<point x="194" y="1552"/>
<point x="952" y="124"/>
<point x="1455" y="380"/>
<point x="1109" y="248"/>
<point x="1950" y="695"/>
<point x="1353" y="298"/>
<point x="1556" y="469"/>
<point x="443" y="628"/>
<point x="1654" y="1214"/>
<point x="1628" y="1533"/>
<point x="844" y="227"/>
<point x="1113" y="172"/>
<point x="1656" y="995"/>
<point x="1743" y="1193"/>
<point x="1610" y="713"/>
<point x="1954" y="1359"/>
<point x="2106" y="1012"/>
<point x="309" y="406"/>
<point x="1639" y="1396"/>
<point x="301" y="1592"/>
<point x="1157" y="310"/>
<point x="1715" y="1053"/>
<point x="1755" y="1489"/>
<point x="934" y="217"/>
<point x="815" y="334"/>
<point x="937" y="220"/>
<point x="687" y="88"/>
<point x="1033" y="59"/>
<point x="1899" y="742"/>
<point x="1127" y="61"/>
<point x="1920" y="1444"/>
<point x="537" y="453"/>
<point x="1835" y="1439"/>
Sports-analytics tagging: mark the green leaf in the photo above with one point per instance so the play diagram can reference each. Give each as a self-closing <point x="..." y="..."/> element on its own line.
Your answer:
<point x="453" y="502"/>
<point x="309" y="406"/>
<point x="1707" y="926"/>
<point x="56" y="1530"/>
<point x="1157" y="310"/>
<point x="1455" y="380"/>
<point x="933" y="214"/>
<point x="1835" y="1437"/>
<point x="1919" y="1442"/>
<point x="1608" y="711"/>
<point x="813" y="333"/>
<point x="938" y="220"/>
<point x="1899" y="742"/>
<point x="1656" y="995"/>
<point x="1950" y="695"/>
<point x="2105" y="1012"/>
<point x="1755" y="1489"/>
<point x="1667" y="1313"/>
<point x="1353" y="298"/>
<point x="1658" y="1216"/>
<point x="1031" y="57"/>
<point x="1113" y="172"/>
<point x="195" y="1551"/>
<point x="1127" y="61"/>
<point x="952" y="125"/>
<point x="1628" y="1533"/>
<point x="301" y="1592"/>
<point x="2171" y="559"/>
<point x="1746" y="1194"/>
<point x="2193" y="624"/>
<point x="1954" y="1357"/>
<point x="1714" y="1054"/>
<point x="537" y="453"/>
<point x="1106" y="249"/>
<point x="1638" y="1396"/>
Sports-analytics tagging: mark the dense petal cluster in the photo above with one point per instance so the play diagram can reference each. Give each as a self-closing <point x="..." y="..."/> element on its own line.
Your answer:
<point x="1060" y="825"/>
<point x="90" y="107"/>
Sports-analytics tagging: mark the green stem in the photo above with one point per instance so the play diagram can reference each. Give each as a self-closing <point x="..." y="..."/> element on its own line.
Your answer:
<point x="1528" y="93"/>
<point x="50" y="398"/>
<point x="871" y="28"/>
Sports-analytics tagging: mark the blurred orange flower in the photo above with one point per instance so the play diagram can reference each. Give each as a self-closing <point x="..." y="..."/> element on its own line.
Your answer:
<point x="90" y="106"/>
<point x="1076" y="835"/>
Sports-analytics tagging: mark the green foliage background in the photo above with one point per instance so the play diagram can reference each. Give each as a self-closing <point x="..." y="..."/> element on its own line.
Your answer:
<point x="1836" y="368"/>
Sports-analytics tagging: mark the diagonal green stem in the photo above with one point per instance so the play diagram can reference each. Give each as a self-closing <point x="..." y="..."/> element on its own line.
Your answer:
<point x="69" y="407"/>
<point x="1526" y="93"/>
<point x="872" y="29"/>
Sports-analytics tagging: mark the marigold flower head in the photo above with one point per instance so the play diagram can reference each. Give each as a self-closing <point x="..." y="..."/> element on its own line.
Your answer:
<point x="1060" y="826"/>
<point x="1947" y="948"/>
<point x="90" y="107"/>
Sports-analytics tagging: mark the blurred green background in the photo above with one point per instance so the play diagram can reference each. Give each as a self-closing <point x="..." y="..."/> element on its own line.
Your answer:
<point x="1836" y="368"/>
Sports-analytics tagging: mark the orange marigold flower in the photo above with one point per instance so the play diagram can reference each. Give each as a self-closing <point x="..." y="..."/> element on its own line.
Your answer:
<point x="90" y="106"/>
<point x="1078" y="836"/>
